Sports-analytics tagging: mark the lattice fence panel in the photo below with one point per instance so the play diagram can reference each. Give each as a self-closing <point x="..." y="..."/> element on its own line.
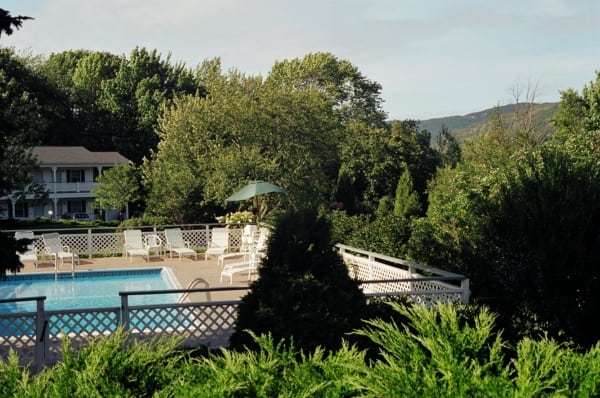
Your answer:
<point x="423" y="292"/>
<point x="107" y="243"/>
<point x="78" y="243"/>
<point x="38" y="243"/>
<point x="365" y="269"/>
<point x="17" y="332"/>
<point x="79" y="326"/>
<point x="198" y="238"/>
<point x="210" y="324"/>
<point x="235" y="237"/>
<point x="358" y="267"/>
<point x="430" y="300"/>
<point x="83" y="323"/>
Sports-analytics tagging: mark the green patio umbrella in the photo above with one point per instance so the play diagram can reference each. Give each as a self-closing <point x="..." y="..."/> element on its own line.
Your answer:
<point x="252" y="191"/>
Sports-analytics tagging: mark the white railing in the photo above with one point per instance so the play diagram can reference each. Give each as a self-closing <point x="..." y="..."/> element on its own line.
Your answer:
<point x="68" y="187"/>
<point x="385" y="275"/>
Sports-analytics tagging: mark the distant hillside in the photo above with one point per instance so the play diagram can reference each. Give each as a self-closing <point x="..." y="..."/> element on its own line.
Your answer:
<point x="473" y="124"/>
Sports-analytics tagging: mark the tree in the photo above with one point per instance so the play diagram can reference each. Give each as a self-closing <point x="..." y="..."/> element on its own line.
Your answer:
<point x="21" y="121"/>
<point x="243" y="130"/>
<point x="80" y="76"/>
<point x="135" y="97"/>
<point x="8" y="22"/>
<point x="520" y="219"/>
<point x="579" y="113"/>
<point x="357" y="98"/>
<point x="406" y="203"/>
<point x="448" y="147"/>
<point x="116" y="187"/>
<point x="548" y="238"/>
<point x="18" y="124"/>
<point x="304" y="293"/>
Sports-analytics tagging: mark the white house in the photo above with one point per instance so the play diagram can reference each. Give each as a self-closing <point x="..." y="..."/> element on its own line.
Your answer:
<point x="69" y="174"/>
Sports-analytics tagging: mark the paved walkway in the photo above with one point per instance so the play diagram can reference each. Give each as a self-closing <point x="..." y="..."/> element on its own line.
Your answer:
<point x="206" y="272"/>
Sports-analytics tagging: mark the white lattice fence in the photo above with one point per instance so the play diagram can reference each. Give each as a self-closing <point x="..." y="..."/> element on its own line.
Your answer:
<point x="79" y="326"/>
<point x="107" y="243"/>
<point x="425" y="285"/>
<point x="235" y="237"/>
<point x="365" y="269"/>
<point x="20" y="336"/>
<point x="209" y="324"/>
<point x="110" y="243"/>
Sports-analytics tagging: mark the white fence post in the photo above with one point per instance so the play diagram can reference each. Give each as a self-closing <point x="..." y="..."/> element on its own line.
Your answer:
<point x="42" y="334"/>
<point x="124" y="311"/>
<point x="90" y="243"/>
<point x="466" y="291"/>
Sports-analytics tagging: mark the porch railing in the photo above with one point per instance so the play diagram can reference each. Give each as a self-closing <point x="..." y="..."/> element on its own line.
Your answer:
<point x="69" y="187"/>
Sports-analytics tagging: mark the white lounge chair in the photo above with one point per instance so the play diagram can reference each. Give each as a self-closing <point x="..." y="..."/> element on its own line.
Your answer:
<point x="219" y="242"/>
<point x="54" y="247"/>
<point x="263" y="240"/>
<point x="134" y="245"/>
<point x="30" y="254"/>
<point x="248" y="242"/>
<point x="249" y="265"/>
<point x="175" y="243"/>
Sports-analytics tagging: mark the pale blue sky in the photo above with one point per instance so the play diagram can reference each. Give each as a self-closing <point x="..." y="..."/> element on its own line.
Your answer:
<point x="433" y="58"/>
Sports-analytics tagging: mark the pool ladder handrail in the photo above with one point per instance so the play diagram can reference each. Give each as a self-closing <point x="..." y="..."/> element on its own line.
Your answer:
<point x="192" y="285"/>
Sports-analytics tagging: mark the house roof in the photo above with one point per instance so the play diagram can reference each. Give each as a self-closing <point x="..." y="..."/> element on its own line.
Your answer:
<point x="75" y="155"/>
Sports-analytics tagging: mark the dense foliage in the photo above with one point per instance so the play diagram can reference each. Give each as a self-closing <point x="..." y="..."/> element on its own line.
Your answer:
<point x="520" y="218"/>
<point x="442" y="352"/>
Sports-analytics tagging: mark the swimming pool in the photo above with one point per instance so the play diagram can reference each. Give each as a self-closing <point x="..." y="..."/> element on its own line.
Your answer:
<point x="86" y="289"/>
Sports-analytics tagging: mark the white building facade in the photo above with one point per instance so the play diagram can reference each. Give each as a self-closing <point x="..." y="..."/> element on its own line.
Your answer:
<point x="68" y="174"/>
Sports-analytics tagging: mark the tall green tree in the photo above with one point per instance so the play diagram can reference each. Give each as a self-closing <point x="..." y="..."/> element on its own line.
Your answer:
<point x="304" y="294"/>
<point x="20" y="122"/>
<point x="373" y="159"/>
<point x="134" y="98"/>
<point x="579" y="112"/>
<point x="357" y="98"/>
<point x="115" y="101"/>
<point x="406" y="202"/>
<point x="448" y="147"/>
<point x="116" y="187"/>
<point x="548" y="238"/>
<point x="243" y="130"/>
<point x="78" y="76"/>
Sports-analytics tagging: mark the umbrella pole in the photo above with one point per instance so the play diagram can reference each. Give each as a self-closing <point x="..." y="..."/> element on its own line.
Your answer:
<point x="256" y="208"/>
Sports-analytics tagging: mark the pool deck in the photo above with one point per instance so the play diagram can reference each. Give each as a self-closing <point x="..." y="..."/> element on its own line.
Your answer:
<point x="206" y="272"/>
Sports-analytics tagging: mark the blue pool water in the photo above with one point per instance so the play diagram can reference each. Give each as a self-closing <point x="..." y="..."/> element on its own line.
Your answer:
<point x="87" y="289"/>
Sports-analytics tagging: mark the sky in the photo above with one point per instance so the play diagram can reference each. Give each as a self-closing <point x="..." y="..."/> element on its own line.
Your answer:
<point x="433" y="58"/>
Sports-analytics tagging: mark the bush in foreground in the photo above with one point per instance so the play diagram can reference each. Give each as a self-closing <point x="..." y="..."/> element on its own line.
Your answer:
<point x="304" y="293"/>
<point x="443" y="352"/>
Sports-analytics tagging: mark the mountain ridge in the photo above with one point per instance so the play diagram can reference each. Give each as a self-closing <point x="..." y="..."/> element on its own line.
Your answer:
<point x="469" y="125"/>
